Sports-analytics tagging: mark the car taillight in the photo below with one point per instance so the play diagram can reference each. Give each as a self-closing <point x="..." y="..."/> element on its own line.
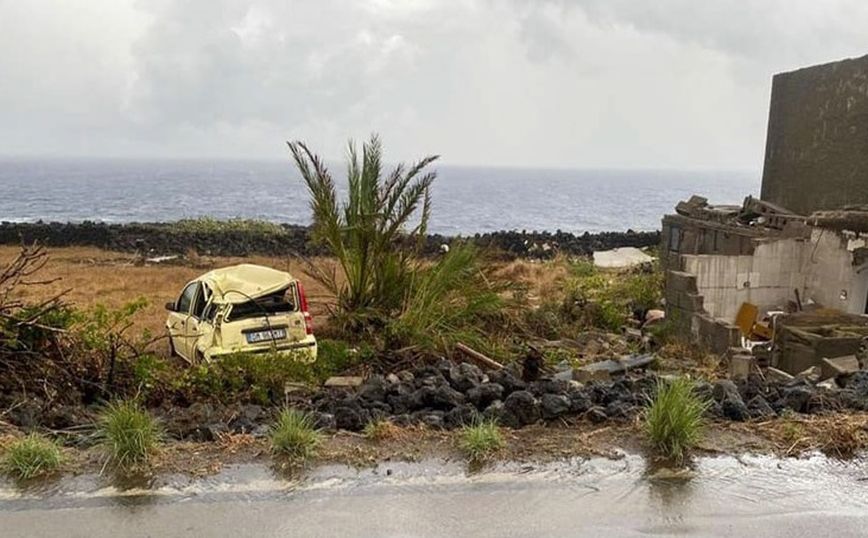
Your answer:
<point x="302" y="299"/>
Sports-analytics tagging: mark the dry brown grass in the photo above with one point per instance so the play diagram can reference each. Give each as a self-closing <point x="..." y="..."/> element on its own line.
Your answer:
<point x="95" y="276"/>
<point x="543" y="280"/>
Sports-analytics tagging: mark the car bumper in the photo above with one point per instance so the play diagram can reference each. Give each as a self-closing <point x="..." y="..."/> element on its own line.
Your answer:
<point x="302" y="350"/>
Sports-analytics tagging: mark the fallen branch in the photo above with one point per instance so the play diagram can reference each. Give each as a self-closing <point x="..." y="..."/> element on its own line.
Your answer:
<point x="478" y="357"/>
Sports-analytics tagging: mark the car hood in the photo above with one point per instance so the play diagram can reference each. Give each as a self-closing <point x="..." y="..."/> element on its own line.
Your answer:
<point x="241" y="283"/>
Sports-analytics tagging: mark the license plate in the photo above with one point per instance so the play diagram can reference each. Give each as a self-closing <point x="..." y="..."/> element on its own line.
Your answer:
<point x="266" y="336"/>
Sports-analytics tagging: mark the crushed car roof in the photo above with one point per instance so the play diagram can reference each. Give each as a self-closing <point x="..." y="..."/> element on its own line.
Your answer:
<point x="241" y="283"/>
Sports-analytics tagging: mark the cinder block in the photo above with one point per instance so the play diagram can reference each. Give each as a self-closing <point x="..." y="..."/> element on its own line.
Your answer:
<point x="681" y="281"/>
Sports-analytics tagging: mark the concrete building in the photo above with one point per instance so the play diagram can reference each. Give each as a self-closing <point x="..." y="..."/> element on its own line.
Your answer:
<point x="802" y="249"/>
<point x="817" y="143"/>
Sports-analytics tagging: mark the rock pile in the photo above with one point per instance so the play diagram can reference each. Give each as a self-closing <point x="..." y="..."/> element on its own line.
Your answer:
<point x="445" y="395"/>
<point x="168" y="238"/>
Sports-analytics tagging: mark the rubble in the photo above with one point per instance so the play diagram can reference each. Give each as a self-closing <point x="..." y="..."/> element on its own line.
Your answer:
<point x="839" y="366"/>
<point x="621" y="258"/>
<point x="604" y="370"/>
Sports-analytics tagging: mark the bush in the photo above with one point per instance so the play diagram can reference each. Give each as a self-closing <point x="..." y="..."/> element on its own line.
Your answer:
<point x="30" y="457"/>
<point x="446" y="302"/>
<point x="674" y="421"/>
<point x="294" y="435"/>
<point x="480" y="439"/>
<point x="128" y="433"/>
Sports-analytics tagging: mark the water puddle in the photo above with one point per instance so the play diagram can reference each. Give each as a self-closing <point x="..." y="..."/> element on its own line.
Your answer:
<point x="718" y="496"/>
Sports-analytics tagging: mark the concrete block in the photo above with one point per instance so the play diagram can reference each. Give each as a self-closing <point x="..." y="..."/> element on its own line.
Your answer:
<point x="740" y="366"/>
<point x="681" y="281"/>
<point x="832" y="368"/>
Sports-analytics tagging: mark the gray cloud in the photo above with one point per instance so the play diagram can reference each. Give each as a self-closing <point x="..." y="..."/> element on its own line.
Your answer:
<point x="672" y="83"/>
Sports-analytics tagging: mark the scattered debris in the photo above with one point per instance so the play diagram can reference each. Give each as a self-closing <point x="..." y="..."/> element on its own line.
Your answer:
<point x="604" y="370"/>
<point x="839" y="366"/>
<point x="621" y="258"/>
<point x="344" y="381"/>
<point x="773" y="375"/>
<point x="478" y="357"/>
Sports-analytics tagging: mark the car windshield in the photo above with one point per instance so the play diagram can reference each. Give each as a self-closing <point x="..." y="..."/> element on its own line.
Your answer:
<point x="279" y="302"/>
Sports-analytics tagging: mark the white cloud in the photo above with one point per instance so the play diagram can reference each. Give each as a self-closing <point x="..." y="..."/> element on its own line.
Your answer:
<point x="672" y="83"/>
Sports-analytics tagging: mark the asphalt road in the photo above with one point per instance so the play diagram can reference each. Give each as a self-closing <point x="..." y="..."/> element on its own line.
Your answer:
<point x="768" y="498"/>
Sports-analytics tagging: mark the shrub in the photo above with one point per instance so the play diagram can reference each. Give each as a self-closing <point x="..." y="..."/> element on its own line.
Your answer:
<point x="674" y="421"/>
<point x="128" y="433"/>
<point x="480" y="439"/>
<point x="446" y="302"/>
<point x="210" y="225"/>
<point x="31" y="456"/>
<point x="110" y="354"/>
<point x="294" y="435"/>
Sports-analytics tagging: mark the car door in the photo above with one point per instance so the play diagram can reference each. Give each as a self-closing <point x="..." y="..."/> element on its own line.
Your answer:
<point x="178" y="319"/>
<point x="193" y="327"/>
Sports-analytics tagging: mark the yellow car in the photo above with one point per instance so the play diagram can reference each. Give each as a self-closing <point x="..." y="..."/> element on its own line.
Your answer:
<point x="242" y="308"/>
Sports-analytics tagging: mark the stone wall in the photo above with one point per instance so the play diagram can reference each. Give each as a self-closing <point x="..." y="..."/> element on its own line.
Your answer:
<point x="817" y="143"/>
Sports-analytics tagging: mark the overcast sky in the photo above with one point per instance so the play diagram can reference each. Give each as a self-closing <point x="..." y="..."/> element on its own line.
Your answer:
<point x="563" y="83"/>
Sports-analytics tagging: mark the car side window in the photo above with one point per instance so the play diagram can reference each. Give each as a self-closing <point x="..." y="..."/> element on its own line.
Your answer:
<point x="186" y="298"/>
<point x="199" y="303"/>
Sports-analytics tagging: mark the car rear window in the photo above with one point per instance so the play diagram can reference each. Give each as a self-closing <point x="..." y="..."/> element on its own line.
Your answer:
<point x="276" y="303"/>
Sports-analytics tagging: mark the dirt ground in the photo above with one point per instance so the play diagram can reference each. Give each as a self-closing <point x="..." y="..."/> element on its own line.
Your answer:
<point x="837" y="436"/>
<point x="94" y="276"/>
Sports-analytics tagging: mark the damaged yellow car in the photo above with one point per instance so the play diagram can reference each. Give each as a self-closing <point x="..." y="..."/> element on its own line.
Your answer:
<point x="242" y="308"/>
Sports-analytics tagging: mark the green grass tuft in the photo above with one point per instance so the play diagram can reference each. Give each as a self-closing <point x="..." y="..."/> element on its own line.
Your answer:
<point x="674" y="421"/>
<point x="294" y="435"/>
<point x="30" y="457"/>
<point x="129" y="434"/>
<point x="480" y="439"/>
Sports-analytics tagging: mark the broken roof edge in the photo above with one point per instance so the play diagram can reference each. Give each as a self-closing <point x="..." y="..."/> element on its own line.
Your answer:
<point x="855" y="220"/>
<point x="244" y="282"/>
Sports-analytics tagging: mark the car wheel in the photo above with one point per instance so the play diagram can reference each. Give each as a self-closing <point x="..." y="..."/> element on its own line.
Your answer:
<point x="172" y="352"/>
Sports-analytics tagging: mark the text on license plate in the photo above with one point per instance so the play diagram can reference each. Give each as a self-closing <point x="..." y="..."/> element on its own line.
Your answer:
<point x="266" y="336"/>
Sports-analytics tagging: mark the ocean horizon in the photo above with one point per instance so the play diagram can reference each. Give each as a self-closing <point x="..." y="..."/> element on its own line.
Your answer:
<point x="467" y="199"/>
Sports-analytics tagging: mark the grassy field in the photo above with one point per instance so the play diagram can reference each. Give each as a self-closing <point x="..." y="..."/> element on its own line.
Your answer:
<point x="94" y="276"/>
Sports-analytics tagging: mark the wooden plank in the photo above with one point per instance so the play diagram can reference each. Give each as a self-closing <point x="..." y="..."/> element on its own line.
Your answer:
<point x="478" y="357"/>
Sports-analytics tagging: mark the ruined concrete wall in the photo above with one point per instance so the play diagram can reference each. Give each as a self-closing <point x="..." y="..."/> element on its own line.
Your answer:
<point x="817" y="143"/>
<point x="832" y="279"/>
<point x="685" y="310"/>
<point x="766" y="279"/>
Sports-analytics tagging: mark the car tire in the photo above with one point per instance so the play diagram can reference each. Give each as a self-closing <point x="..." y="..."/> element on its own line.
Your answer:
<point x="172" y="352"/>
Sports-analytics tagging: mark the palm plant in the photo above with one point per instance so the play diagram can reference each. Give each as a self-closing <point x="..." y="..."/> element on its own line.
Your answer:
<point x="373" y="234"/>
<point x="377" y="236"/>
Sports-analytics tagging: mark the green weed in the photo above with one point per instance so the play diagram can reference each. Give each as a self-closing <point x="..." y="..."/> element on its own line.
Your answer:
<point x="480" y="439"/>
<point x="294" y="435"/>
<point x="674" y="421"/>
<point x="129" y="434"/>
<point x="30" y="456"/>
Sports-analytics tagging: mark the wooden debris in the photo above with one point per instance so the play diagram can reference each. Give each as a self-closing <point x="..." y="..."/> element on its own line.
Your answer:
<point x="344" y="381"/>
<point x="478" y="357"/>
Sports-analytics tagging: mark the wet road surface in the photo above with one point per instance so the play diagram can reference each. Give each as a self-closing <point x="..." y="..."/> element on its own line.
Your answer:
<point x="724" y="497"/>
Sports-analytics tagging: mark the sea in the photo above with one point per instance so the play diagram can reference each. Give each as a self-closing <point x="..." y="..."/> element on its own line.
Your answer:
<point x="466" y="199"/>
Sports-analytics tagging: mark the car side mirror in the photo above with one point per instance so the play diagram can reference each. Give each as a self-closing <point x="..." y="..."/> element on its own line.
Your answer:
<point x="170" y="306"/>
